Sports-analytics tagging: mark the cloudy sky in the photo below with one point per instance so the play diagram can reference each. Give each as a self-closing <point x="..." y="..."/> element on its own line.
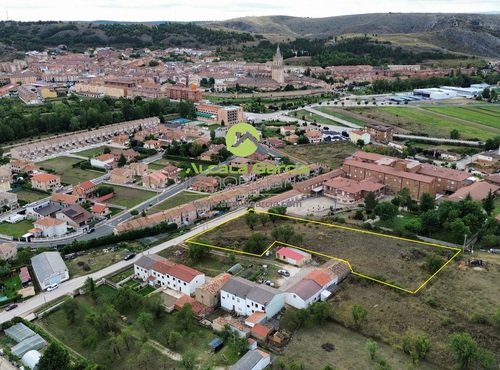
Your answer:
<point x="196" y="10"/>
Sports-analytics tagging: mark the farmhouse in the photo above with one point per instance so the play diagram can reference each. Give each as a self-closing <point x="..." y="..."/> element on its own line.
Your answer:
<point x="312" y="288"/>
<point x="49" y="268"/>
<point x="46" y="182"/>
<point x="209" y="292"/>
<point x="160" y="271"/>
<point x="245" y="297"/>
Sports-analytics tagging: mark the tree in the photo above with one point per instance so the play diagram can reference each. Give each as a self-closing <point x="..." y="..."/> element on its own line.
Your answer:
<point x="146" y="320"/>
<point x="122" y="161"/>
<point x="386" y="211"/>
<point x="106" y="150"/>
<point x="188" y="361"/>
<point x="360" y="143"/>
<point x="197" y="252"/>
<point x="359" y="314"/>
<point x="251" y="219"/>
<point x="427" y="203"/>
<point x="458" y="230"/>
<point x="464" y="349"/>
<point x="70" y="308"/>
<point x="303" y="139"/>
<point x="320" y="312"/>
<point x="433" y="263"/>
<point x="195" y="150"/>
<point x="370" y="202"/>
<point x="174" y="339"/>
<point x="103" y="190"/>
<point x="273" y="211"/>
<point x="429" y="222"/>
<point x="372" y="348"/>
<point x="489" y="203"/>
<point x="455" y="134"/>
<point x="185" y="317"/>
<point x="90" y="288"/>
<point x="255" y="243"/>
<point x="54" y="357"/>
<point x="263" y="218"/>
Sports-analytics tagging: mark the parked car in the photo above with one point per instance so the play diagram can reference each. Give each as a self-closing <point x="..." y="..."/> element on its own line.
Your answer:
<point x="283" y="273"/>
<point x="91" y="230"/>
<point x="129" y="256"/>
<point x="52" y="287"/>
<point x="11" y="306"/>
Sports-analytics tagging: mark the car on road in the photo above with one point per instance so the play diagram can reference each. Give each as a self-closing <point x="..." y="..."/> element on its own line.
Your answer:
<point x="52" y="287"/>
<point x="129" y="256"/>
<point x="283" y="272"/>
<point x="11" y="306"/>
<point x="91" y="230"/>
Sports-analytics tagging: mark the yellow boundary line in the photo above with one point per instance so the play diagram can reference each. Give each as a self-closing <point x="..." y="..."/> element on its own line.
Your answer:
<point x="457" y="250"/>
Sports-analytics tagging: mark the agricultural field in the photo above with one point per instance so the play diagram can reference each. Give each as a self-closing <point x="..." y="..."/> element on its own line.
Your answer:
<point x="330" y="155"/>
<point x="69" y="175"/>
<point x="178" y="199"/>
<point x="394" y="261"/>
<point x="438" y="121"/>
<point x="130" y="197"/>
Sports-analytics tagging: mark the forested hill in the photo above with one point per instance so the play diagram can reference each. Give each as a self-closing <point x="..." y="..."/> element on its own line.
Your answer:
<point x="24" y="36"/>
<point x="474" y="34"/>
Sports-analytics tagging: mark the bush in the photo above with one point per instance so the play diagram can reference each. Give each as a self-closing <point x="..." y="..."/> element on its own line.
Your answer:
<point x="480" y="318"/>
<point x="431" y="302"/>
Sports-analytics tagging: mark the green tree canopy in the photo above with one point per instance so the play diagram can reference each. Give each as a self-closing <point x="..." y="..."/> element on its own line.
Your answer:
<point x="54" y="357"/>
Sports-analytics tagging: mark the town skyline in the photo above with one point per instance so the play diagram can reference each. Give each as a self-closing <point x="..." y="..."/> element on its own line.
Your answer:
<point x="158" y="11"/>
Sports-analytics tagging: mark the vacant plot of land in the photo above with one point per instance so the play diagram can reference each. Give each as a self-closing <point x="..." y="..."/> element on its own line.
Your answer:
<point x="330" y="155"/>
<point x="177" y="200"/>
<point x="312" y="117"/>
<point x="345" y="117"/>
<point x="348" y="350"/>
<point x="16" y="230"/>
<point x="489" y="118"/>
<point x="93" y="152"/>
<point x="130" y="197"/>
<point x="391" y="260"/>
<point x="30" y="196"/>
<point x="95" y="260"/>
<point x="69" y="175"/>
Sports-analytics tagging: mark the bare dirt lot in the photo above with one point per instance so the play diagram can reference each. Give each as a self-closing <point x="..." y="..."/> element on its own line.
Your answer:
<point x="395" y="261"/>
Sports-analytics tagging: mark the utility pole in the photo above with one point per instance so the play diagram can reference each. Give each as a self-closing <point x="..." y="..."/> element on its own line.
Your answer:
<point x="465" y="238"/>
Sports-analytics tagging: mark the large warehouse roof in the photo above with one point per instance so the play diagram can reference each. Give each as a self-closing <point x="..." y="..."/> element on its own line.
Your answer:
<point x="47" y="264"/>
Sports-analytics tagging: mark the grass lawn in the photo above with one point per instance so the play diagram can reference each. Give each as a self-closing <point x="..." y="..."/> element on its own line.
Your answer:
<point x="16" y="230"/>
<point x="312" y="117"/>
<point x="130" y="197"/>
<point x="12" y="285"/>
<point x="398" y="222"/>
<point x="106" y="291"/>
<point x="93" y="152"/>
<point x="63" y="167"/>
<point x="341" y="116"/>
<point x="177" y="200"/>
<point x="30" y="196"/>
<point x="330" y="155"/>
<point x="146" y="290"/>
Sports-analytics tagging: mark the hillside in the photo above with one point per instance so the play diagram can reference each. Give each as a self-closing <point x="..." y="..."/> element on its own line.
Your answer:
<point x="475" y="34"/>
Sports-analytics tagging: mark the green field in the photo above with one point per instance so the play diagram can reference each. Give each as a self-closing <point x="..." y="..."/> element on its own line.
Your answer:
<point x="177" y="200"/>
<point x="16" y="230"/>
<point x="93" y="152"/>
<point x="130" y="197"/>
<point x="439" y="121"/>
<point x="341" y="116"/>
<point x="30" y="196"/>
<point x="63" y="166"/>
<point x="312" y="117"/>
<point x="487" y="117"/>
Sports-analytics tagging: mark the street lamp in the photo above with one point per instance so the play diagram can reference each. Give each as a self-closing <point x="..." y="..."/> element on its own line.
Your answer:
<point x="465" y="238"/>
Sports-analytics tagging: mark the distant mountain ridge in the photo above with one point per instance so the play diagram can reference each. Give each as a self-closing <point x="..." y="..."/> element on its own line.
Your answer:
<point x="476" y="34"/>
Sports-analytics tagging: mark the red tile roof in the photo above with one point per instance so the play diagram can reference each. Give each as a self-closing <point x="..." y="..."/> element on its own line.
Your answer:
<point x="319" y="277"/>
<point x="289" y="253"/>
<point x="260" y="330"/>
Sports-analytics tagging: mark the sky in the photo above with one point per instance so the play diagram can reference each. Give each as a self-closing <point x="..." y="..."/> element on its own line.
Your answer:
<point x="206" y="10"/>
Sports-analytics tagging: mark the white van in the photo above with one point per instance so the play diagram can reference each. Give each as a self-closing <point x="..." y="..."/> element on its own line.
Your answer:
<point x="52" y="287"/>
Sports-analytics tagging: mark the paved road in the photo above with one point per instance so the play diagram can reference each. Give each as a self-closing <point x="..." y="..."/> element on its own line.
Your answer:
<point x="439" y="140"/>
<point x="330" y="117"/>
<point x="72" y="285"/>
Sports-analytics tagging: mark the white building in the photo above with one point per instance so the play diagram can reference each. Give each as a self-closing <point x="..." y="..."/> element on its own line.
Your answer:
<point x="50" y="227"/>
<point x="159" y="271"/>
<point x="49" y="268"/>
<point x="245" y="297"/>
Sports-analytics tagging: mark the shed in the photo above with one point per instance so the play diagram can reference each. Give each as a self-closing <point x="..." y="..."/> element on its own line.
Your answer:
<point x="31" y="358"/>
<point x="235" y="269"/>
<point x="216" y="344"/>
<point x="49" y="268"/>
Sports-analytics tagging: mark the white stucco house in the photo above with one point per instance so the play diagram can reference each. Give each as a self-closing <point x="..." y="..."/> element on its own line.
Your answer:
<point x="245" y="297"/>
<point x="160" y="271"/>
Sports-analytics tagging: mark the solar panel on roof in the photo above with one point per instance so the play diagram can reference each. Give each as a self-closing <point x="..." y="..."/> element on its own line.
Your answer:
<point x="71" y="212"/>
